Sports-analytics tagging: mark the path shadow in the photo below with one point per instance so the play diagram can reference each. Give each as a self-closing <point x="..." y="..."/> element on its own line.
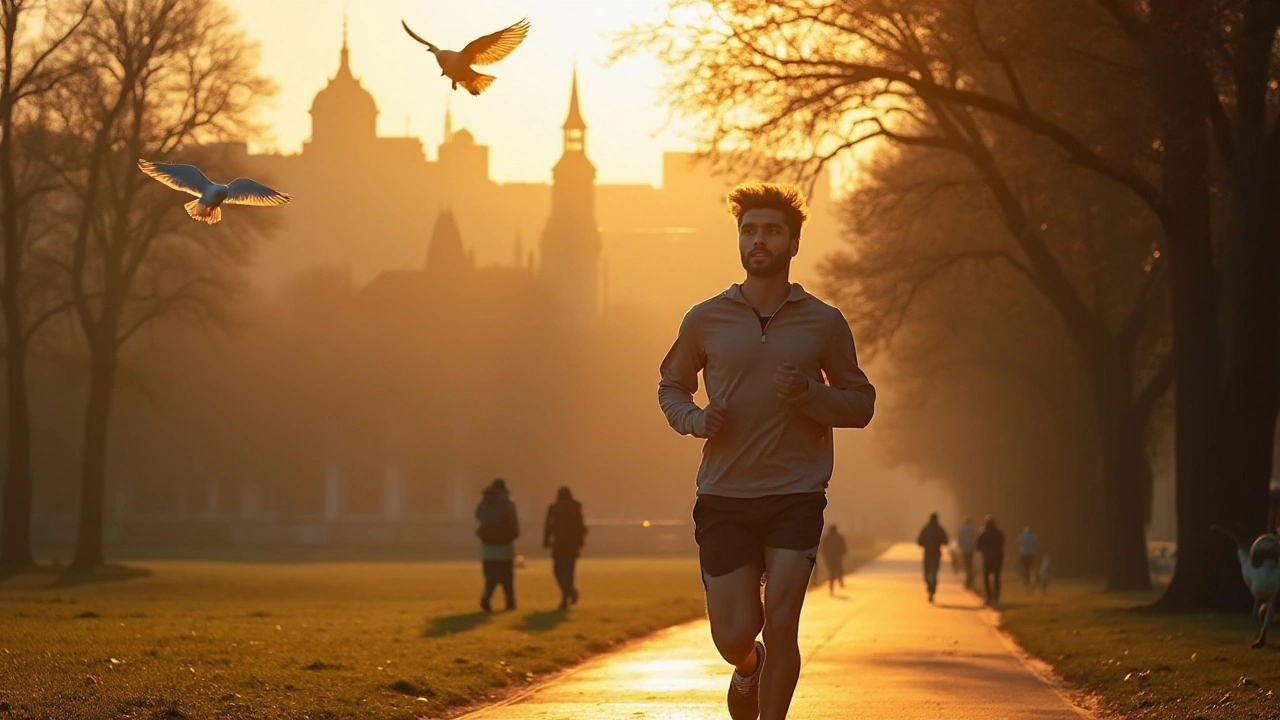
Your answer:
<point x="543" y="621"/>
<point x="100" y="574"/>
<point x="953" y="606"/>
<point x="453" y="624"/>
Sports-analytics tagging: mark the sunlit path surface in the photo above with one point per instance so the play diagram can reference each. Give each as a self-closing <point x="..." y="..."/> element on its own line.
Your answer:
<point x="877" y="650"/>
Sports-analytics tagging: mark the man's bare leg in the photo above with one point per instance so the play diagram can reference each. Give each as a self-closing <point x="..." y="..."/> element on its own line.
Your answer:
<point x="788" y="572"/>
<point x="733" y="606"/>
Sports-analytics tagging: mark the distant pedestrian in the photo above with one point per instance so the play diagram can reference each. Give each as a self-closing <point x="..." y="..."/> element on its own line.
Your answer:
<point x="499" y="528"/>
<point x="565" y="532"/>
<point x="991" y="545"/>
<point x="833" y="552"/>
<point x="1028" y="548"/>
<point x="1042" y="575"/>
<point x="967" y="542"/>
<point x="932" y="538"/>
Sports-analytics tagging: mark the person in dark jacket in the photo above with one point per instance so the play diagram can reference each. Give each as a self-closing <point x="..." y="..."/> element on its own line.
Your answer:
<point x="564" y="533"/>
<point x="833" y="549"/>
<point x="932" y="538"/>
<point x="499" y="528"/>
<point x="991" y="545"/>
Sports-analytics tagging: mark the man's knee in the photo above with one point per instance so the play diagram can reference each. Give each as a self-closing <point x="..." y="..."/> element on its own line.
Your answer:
<point x="781" y="632"/>
<point x="735" y="640"/>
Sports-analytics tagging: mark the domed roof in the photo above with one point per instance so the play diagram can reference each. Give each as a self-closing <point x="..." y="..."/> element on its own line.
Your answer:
<point x="464" y="136"/>
<point x="344" y="92"/>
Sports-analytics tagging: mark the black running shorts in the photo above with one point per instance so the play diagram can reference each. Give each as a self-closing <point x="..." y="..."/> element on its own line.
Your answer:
<point x="733" y="532"/>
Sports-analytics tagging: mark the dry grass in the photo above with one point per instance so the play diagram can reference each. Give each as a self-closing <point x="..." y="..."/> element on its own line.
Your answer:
<point x="317" y="641"/>
<point x="1146" y="665"/>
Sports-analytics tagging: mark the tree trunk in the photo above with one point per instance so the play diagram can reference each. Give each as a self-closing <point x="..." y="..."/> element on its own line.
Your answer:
<point x="93" y="465"/>
<point x="1226" y="480"/>
<point x="1251" y="386"/>
<point x="1206" y="577"/>
<point x="15" y="527"/>
<point x="15" y="540"/>
<point x="1124" y="470"/>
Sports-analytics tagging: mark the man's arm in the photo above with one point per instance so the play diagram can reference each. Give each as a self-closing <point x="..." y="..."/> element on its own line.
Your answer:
<point x="849" y="400"/>
<point x="679" y="380"/>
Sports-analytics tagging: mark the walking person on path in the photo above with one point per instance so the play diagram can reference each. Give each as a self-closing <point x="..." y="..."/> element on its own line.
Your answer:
<point x="499" y="528"/>
<point x="763" y="346"/>
<point x="932" y="538"/>
<point x="991" y="545"/>
<point x="1028" y="548"/>
<point x="833" y="551"/>
<point x="564" y="532"/>
<point x="967" y="542"/>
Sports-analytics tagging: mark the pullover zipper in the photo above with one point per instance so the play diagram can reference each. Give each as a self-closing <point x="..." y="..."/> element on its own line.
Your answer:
<point x="764" y="330"/>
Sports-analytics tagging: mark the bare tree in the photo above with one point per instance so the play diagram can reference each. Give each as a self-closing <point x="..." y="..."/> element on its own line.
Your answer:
<point x="826" y="79"/>
<point x="32" y="67"/>
<point x="938" y="284"/>
<point x="164" y="77"/>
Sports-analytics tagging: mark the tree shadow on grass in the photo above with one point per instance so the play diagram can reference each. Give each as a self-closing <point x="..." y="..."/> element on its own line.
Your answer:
<point x="453" y="624"/>
<point x="102" y="573"/>
<point x="543" y="621"/>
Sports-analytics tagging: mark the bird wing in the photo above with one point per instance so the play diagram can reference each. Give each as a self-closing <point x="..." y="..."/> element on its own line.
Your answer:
<point x="493" y="47"/>
<point x="186" y="178"/>
<point x="243" y="191"/>
<point x="417" y="37"/>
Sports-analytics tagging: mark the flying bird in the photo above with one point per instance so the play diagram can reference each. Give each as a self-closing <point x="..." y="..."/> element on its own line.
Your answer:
<point x="486" y="50"/>
<point x="211" y="195"/>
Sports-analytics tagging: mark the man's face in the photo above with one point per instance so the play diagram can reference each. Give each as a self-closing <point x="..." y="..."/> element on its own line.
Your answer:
<point x="764" y="240"/>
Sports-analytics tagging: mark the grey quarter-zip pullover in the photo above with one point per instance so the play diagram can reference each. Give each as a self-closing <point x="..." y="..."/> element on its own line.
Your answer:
<point x="767" y="445"/>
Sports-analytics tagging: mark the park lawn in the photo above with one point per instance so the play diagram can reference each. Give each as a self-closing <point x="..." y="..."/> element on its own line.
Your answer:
<point x="317" y="641"/>
<point x="1147" y="665"/>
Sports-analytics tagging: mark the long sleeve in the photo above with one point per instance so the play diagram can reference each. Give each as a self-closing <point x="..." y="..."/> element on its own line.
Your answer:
<point x="679" y="379"/>
<point x="849" y="400"/>
<point x="547" y="528"/>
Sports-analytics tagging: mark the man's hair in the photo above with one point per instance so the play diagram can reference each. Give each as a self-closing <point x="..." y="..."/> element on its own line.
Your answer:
<point x="773" y="196"/>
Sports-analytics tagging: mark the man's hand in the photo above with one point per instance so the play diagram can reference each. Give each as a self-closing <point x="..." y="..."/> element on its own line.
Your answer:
<point x="790" y="382"/>
<point x="712" y="419"/>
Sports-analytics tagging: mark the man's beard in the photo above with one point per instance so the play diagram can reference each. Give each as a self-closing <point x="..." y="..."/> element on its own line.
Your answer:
<point x="777" y="264"/>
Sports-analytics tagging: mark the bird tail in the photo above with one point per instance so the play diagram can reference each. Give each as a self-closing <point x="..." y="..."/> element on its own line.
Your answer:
<point x="477" y="84"/>
<point x="202" y="213"/>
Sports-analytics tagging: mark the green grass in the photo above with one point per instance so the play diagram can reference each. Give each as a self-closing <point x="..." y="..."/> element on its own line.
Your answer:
<point x="1146" y="665"/>
<point x="316" y="641"/>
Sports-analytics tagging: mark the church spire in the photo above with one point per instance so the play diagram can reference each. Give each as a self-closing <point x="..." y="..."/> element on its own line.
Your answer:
<point x="575" y="129"/>
<point x="569" y="257"/>
<point x="345" y="53"/>
<point x="448" y="119"/>
<point x="574" y="120"/>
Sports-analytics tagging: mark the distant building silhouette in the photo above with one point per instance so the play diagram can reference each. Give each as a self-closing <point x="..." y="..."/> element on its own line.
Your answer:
<point x="455" y="284"/>
<point x="364" y="202"/>
<point x="571" y="240"/>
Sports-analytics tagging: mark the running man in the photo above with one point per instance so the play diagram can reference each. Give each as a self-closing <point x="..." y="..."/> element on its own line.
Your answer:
<point x="763" y="347"/>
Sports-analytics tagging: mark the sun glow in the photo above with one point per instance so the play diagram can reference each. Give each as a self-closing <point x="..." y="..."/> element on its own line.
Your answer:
<point x="519" y="117"/>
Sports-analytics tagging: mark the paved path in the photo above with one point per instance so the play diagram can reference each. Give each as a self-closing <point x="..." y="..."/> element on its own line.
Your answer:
<point x="875" y="651"/>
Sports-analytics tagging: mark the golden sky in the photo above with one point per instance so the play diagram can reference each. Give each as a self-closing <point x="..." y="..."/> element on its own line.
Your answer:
<point x="518" y="117"/>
